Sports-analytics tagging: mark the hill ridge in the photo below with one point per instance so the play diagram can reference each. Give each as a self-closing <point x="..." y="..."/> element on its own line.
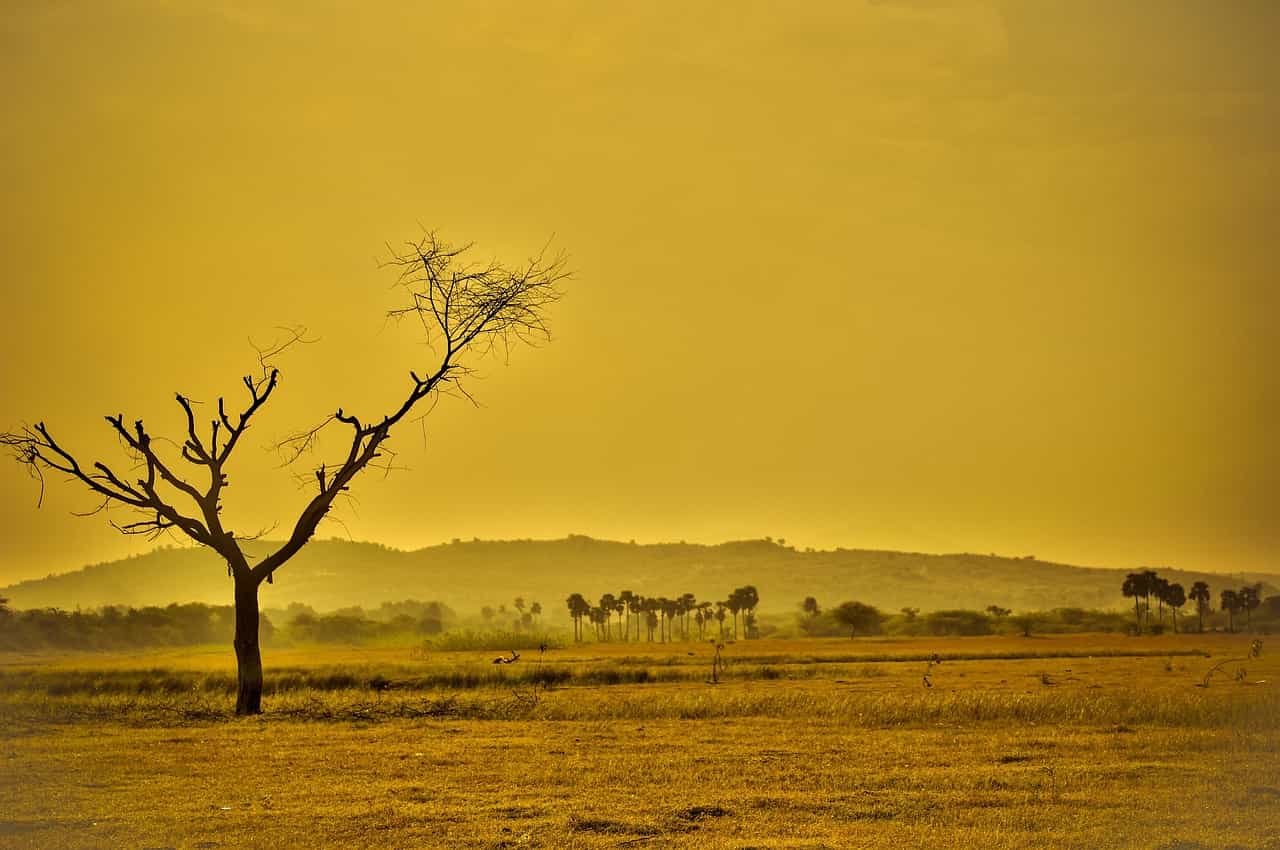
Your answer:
<point x="337" y="573"/>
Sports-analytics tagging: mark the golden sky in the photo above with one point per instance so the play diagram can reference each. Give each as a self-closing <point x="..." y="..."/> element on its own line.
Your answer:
<point x="927" y="275"/>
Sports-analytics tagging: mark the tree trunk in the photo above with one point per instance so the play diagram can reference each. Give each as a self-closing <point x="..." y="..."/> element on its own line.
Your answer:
<point x="248" y="654"/>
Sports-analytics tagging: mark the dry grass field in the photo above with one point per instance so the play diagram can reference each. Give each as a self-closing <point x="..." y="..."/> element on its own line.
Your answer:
<point x="1071" y="742"/>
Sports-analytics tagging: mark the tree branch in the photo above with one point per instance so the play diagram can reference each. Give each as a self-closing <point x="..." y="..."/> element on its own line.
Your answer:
<point x="465" y="309"/>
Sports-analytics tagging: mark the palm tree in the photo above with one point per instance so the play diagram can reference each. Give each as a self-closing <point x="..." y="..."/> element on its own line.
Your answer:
<point x="625" y="599"/>
<point x="810" y="606"/>
<point x="1175" y="597"/>
<point x="704" y="609"/>
<point x="1135" y="585"/>
<point x="601" y="617"/>
<point x="636" y="606"/>
<point x="720" y="609"/>
<point x="1230" y="602"/>
<point x="620" y="608"/>
<point x="651" y="617"/>
<point x="750" y="599"/>
<point x="734" y="604"/>
<point x="671" y="609"/>
<point x="536" y="610"/>
<point x="687" y="603"/>
<point x="1200" y="595"/>
<point x="1250" y="597"/>
<point x="578" y="608"/>
<point x="1160" y="589"/>
<point x="606" y="604"/>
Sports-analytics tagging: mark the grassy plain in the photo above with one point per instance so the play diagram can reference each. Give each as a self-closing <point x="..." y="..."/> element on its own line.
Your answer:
<point x="1071" y="741"/>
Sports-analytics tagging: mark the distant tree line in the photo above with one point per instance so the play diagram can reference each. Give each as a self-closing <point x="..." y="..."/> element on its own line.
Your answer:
<point x="191" y="624"/>
<point x="669" y="618"/>
<point x="114" y="627"/>
<point x="355" y="625"/>
<point x="855" y="619"/>
<point x="1155" y="599"/>
<point x="1146" y="585"/>
<point x="527" y="617"/>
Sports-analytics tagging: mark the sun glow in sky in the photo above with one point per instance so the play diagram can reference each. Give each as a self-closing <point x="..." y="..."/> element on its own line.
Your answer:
<point x="926" y="275"/>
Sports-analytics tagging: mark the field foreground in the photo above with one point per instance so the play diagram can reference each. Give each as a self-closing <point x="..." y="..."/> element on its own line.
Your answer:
<point x="806" y="744"/>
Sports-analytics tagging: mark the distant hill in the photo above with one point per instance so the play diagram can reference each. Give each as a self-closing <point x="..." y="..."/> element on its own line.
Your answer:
<point x="331" y="574"/>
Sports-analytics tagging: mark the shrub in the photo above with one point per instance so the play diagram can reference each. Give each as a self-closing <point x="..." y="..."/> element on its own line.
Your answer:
<point x="957" y="622"/>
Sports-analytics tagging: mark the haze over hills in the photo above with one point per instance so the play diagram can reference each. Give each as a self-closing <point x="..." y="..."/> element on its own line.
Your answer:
<point x="331" y="574"/>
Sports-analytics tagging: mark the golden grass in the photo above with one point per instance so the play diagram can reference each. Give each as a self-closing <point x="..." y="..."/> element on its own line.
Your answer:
<point x="1114" y="750"/>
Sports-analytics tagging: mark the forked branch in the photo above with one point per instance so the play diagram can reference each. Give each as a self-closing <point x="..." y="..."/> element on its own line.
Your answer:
<point x="466" y="310"/>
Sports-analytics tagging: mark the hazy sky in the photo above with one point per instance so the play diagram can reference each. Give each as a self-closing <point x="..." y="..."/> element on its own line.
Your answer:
<point x="925" y="275"/>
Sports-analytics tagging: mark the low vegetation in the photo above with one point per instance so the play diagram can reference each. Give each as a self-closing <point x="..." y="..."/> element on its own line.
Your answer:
<point x="115" y="628"/>
<point x="885" y="741"/>
<point x="1170" y="597"/>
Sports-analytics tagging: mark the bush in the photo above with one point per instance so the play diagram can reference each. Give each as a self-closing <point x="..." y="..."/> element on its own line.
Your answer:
<point x="957" y="622"/>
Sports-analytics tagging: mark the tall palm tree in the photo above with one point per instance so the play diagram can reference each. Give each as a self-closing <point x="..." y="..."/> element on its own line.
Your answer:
<point x="636" y="607"/>
<point x="1250" y="597"/>
<point x="1200" y="595"/>
<point x="1175" y="597"/>
<point x="536" y="610"/>
<point x="750" y="597"/>
<point x="720" y="609"/>
<point x="578" y="608"/>
<point x="687" y="603"/>
<point x="1135" y="585"/>
<point x="734" y="604"/>
<point x="1149" y="588"/>
<point x="810" y="606"/>
<point x="620" y="608"/>
<point x="607" y="603"/>
<point x="1230" y="602"/>
<point x="661" y="604"/>
<point x="625" y="600"/>
<point x="1160" y="590"/>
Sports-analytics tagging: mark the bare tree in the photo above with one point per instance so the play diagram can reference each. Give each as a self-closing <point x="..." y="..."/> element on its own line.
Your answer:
<point x="466" y="309"/>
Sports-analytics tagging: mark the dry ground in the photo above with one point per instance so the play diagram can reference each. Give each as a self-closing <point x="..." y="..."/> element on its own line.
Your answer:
<point x="809" y="744"/>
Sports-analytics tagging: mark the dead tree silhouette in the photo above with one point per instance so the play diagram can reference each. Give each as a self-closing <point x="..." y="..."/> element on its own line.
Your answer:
<point x="465" y="308"/>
